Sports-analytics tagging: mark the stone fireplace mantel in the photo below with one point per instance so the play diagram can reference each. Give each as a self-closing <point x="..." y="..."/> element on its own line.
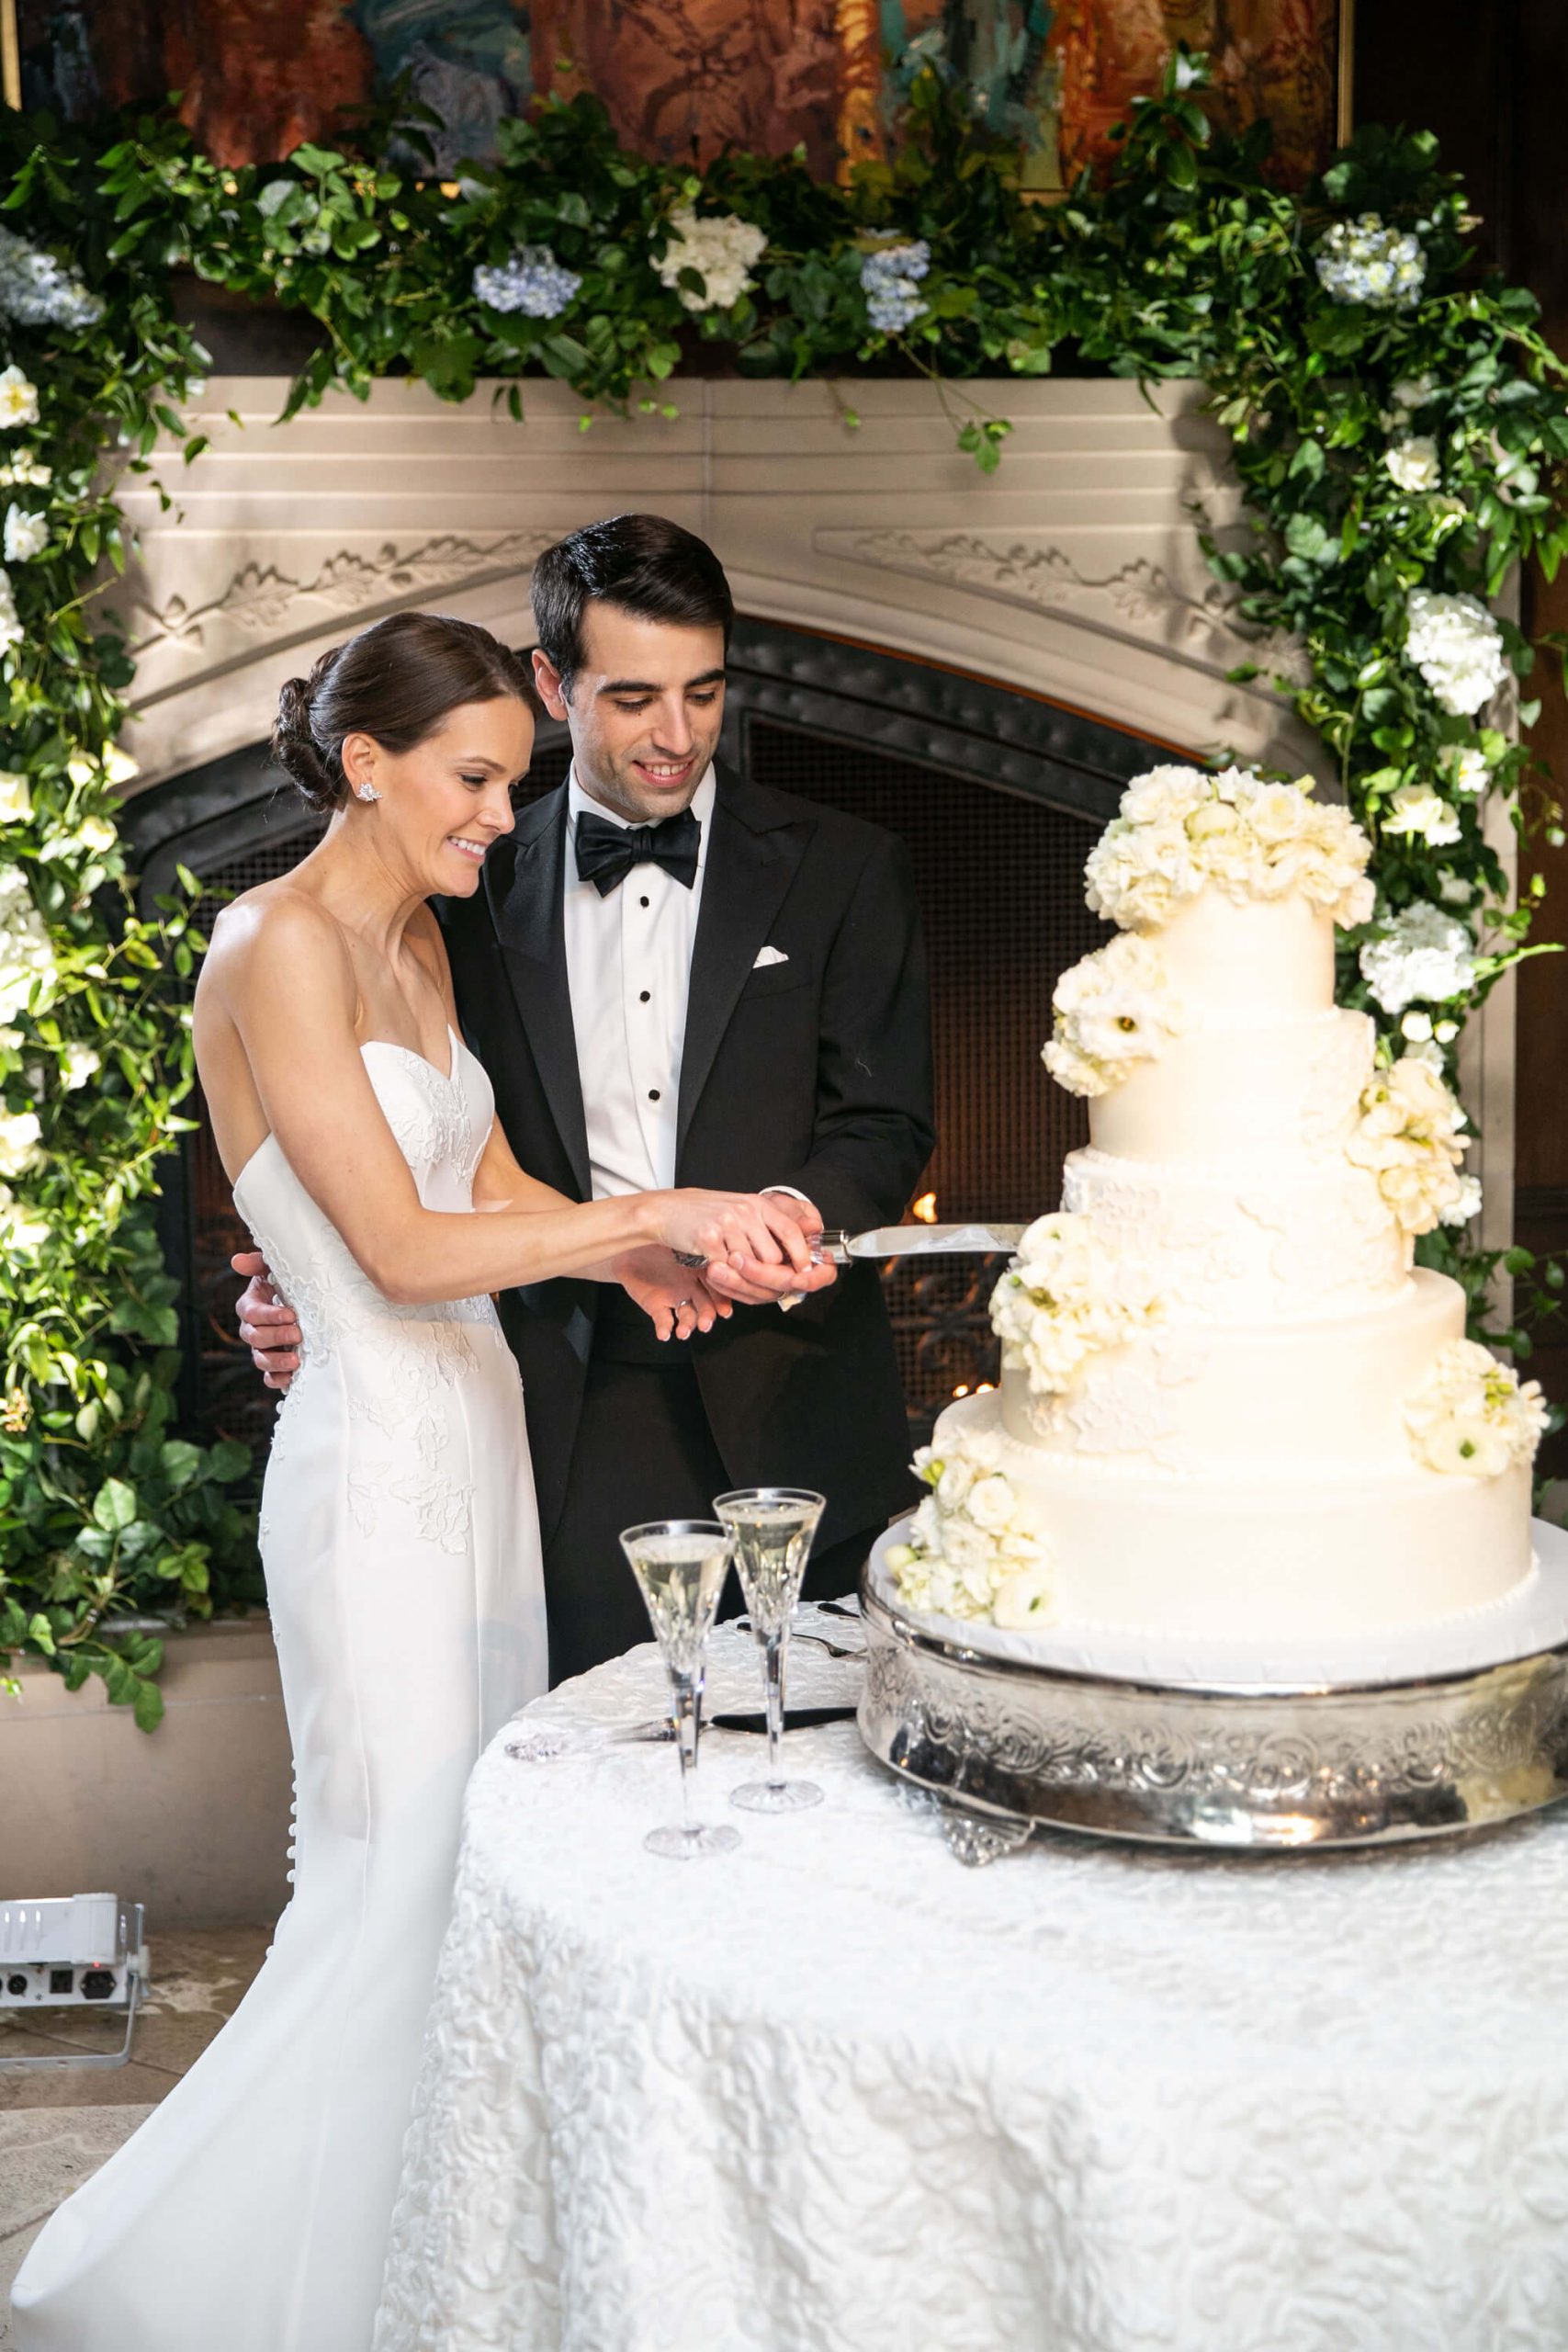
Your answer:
<point x="1072" y="574"/>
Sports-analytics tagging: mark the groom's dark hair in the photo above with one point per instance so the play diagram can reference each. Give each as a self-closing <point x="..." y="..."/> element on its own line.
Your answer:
<point x="643" y="564"/>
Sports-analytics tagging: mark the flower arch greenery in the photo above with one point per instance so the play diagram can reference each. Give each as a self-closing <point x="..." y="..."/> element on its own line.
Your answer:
<point x="1398" y="425"/>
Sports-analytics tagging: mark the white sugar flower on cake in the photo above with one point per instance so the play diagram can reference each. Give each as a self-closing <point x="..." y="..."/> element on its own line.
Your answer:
<point x="1070" y="1293"/>
<point x="1181" y="828"/>
<point x="1407" y="1133"/>
<point x="1113" y="1009"/>
<point x="1472" y="1416"/>
<point x="978" y="1546"/>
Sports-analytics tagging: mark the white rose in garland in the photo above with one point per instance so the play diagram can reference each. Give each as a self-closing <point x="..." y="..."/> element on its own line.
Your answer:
<point x="19" y="1136"/>
<point x="26" y="534"/>
<point x="1471" y="1417"/>
<point x="16" y="798"/>
<point x="978" y="1546"/>
<point x="1179" y="828"/>
<point x="77" y="1065"/>
<point x="1458" y="648"/>
<point x="720" y="251"/>
<point x="1420" y="812"/>
<point x="1113" y="1009"/>
<point x="1467" y="768"/>
<point x="10" y="626"/>
<point x="1421" y="955"/>
<point x="1070" y="1293"/>
<point x="1407" y="1133"/>
<point x="21" y="1231"/>
<point x="18" y="399"/>
<point x="26" y="953"/>
<point x="1413" y="462"/>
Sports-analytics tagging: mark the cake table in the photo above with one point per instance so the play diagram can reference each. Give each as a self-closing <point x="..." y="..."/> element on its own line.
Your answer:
<point x="832" y="2093"/>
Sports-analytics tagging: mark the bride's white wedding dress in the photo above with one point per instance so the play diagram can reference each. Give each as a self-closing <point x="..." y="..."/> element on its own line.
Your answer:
<point x="251" y="2212"/>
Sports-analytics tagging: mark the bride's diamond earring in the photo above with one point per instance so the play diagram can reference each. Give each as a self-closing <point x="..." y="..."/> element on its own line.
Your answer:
<point x="366" y="792"/>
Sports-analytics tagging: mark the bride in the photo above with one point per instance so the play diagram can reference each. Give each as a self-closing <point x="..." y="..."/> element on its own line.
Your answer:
<point x="398" y="1529"/>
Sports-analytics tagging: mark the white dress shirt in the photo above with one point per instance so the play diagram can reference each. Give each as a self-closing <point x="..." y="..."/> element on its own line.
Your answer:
<point x="628" y="962"/>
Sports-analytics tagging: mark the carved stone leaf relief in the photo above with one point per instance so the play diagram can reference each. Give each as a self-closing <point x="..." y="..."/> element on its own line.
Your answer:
<point x="260" y="599"/>
<point x="1141" y="593"/>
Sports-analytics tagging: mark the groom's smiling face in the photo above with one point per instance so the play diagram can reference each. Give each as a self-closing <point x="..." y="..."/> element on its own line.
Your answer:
<point x="645" y="710"/>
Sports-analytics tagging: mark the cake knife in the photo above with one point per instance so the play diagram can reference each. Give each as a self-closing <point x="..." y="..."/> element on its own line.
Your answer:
<point x="836" y="1247"/>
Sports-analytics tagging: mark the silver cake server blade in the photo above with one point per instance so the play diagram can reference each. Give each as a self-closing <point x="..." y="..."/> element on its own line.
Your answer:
<point x="921" y="1241"/>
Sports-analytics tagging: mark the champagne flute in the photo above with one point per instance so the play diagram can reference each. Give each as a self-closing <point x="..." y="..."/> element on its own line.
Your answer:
<point x="771" y="1528"/>
<point x="680" y="1565"/>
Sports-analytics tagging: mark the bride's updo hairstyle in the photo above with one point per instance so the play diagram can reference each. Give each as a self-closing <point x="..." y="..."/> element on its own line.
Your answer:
<point x="397" y="681"/>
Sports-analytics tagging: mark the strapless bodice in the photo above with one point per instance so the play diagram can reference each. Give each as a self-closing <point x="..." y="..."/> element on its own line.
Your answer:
<point x="441" y="1121"/>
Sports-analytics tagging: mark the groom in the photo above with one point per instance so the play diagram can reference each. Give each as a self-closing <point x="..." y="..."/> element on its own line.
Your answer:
<point x="676" y="977"/>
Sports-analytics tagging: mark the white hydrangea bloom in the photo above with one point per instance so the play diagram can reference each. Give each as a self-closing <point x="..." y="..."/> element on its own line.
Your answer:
<point x="18" y="399"/>
<point x="1408" y="1135"/>
<point x="721" y="251"/>
<point x="1113" y="1009"/>
<point x="1365" y="261"/>
<point x="1458" y="648"/>
<point x="890" y="277"/>
<point x="1070" y="1292"/>
<point x="977" y="1547"/>
<point x="15" y="796"/>
<point x="1181" y="828"/>
<point x="26" y="953"/>
<point x="1413" y="462"/>
<point x="26" y="534"/>
<point x="1471" y="1417"/>
<point x="1420" y="955"/>
<point x="1423" y="814"/>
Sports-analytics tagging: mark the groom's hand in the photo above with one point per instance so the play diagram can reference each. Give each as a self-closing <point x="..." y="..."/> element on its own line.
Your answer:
<point x="267" y="1324"/>
<point x="752" y="1284"/>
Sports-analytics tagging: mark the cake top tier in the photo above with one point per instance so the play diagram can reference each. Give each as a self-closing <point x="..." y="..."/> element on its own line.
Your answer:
<point x="1181" y="830"/>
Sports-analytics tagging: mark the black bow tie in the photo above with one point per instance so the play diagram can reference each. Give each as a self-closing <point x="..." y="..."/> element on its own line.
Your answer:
<point x="606" y="853"/>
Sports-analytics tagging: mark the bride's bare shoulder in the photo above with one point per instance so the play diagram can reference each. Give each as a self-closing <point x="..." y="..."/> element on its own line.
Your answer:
<point x="277" y="936"/>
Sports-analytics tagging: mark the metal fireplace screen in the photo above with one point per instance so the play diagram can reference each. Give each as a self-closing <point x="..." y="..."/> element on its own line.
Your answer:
<point x="1001" y="880"/>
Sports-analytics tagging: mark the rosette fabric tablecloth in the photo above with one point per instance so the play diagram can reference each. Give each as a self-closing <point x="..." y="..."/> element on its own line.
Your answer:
<point x="835" y="2093"/>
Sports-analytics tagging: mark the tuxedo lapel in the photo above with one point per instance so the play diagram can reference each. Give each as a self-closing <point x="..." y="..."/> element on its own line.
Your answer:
<point x="751" y="862"/>
<point x="530" y="925"/>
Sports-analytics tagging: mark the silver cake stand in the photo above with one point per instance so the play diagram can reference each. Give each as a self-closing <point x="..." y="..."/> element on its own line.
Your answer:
<point x="1364" y="1747"/>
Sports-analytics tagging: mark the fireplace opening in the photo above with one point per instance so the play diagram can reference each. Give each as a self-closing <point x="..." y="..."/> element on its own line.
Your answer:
<point x="999" y="797"/>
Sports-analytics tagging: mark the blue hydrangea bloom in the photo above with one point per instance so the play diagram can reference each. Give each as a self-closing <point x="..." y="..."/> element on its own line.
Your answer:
<point x="532" y="281"/>
<point x="38" y="291"/>
<point x="890" y="277"/>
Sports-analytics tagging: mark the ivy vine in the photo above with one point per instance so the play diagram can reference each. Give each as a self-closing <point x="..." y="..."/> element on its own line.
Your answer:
<point x="1395" y="443"/>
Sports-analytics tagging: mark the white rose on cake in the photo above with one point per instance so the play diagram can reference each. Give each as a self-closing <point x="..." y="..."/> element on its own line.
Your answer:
<point x="1407" y="1133"/>
<point x="977" y="1546"/>
<point x="1070" y="1293"/>
<point x="1471" y="1417"/>
<point x="1179" y="828"/>
<point x="1113" y="1009"/>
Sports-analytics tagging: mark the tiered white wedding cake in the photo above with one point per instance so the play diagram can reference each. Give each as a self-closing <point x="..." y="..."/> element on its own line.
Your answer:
<point x="1229" y="1407"/>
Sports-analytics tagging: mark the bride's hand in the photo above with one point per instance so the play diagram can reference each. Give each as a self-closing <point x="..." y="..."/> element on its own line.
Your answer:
<point x="743" y="1230"/>
<point x="675" y="1297"/>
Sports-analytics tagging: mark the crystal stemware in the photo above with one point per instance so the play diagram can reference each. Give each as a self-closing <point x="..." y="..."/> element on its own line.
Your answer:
<point x="680" y="1565"/>
<point x="771" y="1528"/>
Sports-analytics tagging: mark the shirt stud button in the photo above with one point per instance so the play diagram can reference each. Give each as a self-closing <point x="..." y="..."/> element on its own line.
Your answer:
<point x="642" y="902"/>
<point x="644" y="995"/>
<point x="653" y="1093"/>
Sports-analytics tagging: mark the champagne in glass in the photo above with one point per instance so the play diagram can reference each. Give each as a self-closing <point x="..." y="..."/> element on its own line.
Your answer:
<point x="771" y="1528"/>
<point x="680" y="1565"/>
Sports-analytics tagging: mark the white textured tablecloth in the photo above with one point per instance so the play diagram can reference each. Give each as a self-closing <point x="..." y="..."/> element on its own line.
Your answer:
<point x="835" y="2093"/>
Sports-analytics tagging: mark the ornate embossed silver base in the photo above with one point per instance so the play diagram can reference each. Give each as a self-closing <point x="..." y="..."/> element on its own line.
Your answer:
<point x="1007" y="1744"/>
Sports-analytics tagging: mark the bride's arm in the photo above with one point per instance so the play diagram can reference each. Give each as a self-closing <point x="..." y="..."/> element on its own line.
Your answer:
<point x="291" y="996"/>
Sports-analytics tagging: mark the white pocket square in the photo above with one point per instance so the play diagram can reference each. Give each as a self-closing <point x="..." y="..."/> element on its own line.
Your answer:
<point x="766" y="956"/>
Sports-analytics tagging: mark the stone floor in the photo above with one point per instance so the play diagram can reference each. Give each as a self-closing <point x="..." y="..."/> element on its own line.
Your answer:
<point x="58" y="2125"/>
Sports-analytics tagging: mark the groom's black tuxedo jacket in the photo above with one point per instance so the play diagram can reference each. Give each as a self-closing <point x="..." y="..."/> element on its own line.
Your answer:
<point x="813" y="1071"/>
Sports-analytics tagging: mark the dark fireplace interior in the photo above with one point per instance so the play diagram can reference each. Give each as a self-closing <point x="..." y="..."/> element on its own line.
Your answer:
<point x="999" y="797"/>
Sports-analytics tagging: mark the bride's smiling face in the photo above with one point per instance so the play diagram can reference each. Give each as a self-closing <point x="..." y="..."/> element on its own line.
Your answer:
<point x="440" y="806"/>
